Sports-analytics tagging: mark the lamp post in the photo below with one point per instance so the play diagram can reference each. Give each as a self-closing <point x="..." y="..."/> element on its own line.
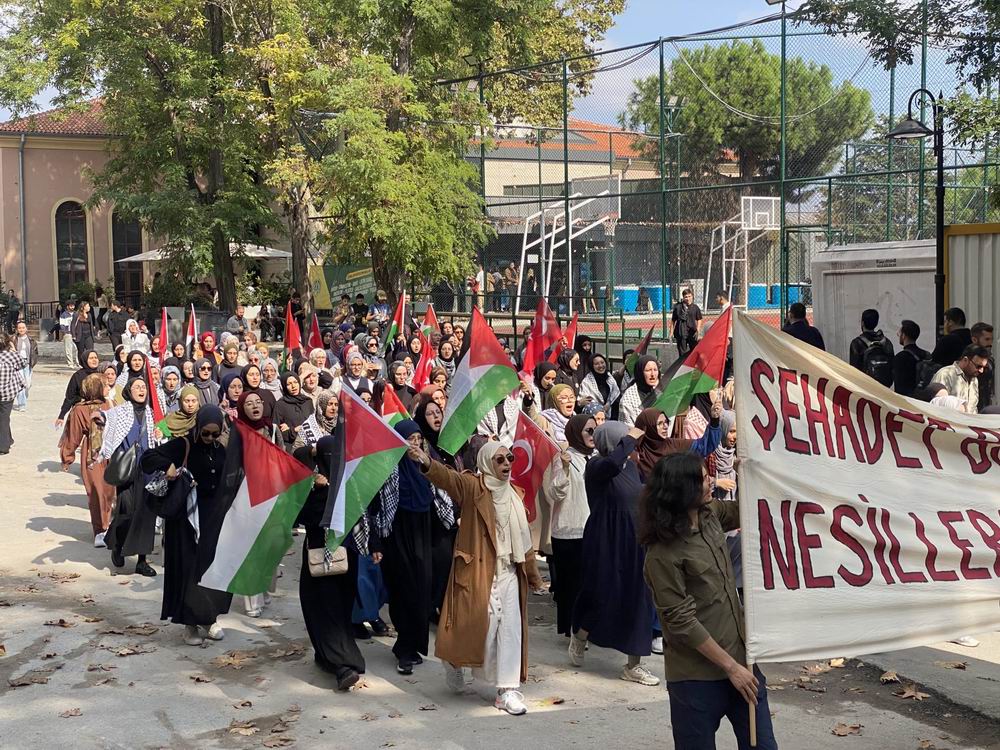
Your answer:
<point x="914" y="129"/>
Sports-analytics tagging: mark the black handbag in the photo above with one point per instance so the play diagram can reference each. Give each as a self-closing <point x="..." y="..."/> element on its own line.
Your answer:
<point x="172" y="506"/>
<point x="121" y="466"/>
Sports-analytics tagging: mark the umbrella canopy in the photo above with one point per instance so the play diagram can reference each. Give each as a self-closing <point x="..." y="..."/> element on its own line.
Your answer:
<point x="251" y="251"/>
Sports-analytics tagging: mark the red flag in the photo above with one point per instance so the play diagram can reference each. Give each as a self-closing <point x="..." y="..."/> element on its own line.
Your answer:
<point x="430" y="322"/>
<point x="396" y="324"/>
<point x="153" y="396"/>
<point x="533" y="452"/>
<point x="393" y="410"/>
<point x="293" y="336"/>
<point x="315" y="337"/>
<point x="428" y="354"/>
<point x="164" y="343"/>
<point x="544" y="333"/>
<point x="191" y="339"/>
<point x="569" y="334"/>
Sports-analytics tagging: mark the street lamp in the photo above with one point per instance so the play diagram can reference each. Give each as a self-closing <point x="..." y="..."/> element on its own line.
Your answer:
<point x="910" y="129"/>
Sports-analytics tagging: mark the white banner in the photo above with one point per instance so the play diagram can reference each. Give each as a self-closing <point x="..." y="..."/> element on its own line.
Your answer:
<point x="871" y="522"/>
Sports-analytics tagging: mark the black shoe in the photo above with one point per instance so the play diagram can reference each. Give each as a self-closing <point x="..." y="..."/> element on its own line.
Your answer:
<point x="404" y="667"/>
<point x="379" y="627"/>
<point x="348" y="680"/>
<point x="361" y="632"/>
<point x="418" y="659"/>
<point x="117" y="558"/>
<point x="143" y="568"/>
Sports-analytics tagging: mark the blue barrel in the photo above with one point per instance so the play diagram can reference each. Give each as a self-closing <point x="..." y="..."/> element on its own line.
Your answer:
<point x="627" y="298"/>
<point x="758" y="297"/>
<point x="655" y="296"/>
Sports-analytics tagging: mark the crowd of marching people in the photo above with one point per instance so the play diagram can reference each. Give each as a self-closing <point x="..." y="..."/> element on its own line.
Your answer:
<point x="635" y="521"/>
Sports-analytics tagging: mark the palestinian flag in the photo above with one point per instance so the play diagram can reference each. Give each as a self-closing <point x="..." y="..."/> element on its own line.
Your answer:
<point x="483" y="378"/>
<point x="639" y="351"/>
<point x="367" y="452"/>
<point x="700" y="372"/>
<point x="315" y="337"/>
<point x="544" y="333"/>
<point x="293" y="338"/>
<point x="569" y="334"/>
<point x="396" y="324"/>
<point x="393" y="410"/>
<point x="430" y="323"/>
<point x="191" y="338"/>
<point x="256" y="530"/>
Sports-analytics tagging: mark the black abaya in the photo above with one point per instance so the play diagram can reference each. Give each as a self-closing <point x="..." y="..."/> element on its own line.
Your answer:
<point x="564" y="564"/>
<point x="406" y="567"/>
<point x="132" y="529"/>
<point x="327" y="601"/>
<point x="442" y="553"/>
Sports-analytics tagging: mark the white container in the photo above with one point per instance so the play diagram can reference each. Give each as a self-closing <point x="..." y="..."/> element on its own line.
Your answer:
<point x="895" y="278"/>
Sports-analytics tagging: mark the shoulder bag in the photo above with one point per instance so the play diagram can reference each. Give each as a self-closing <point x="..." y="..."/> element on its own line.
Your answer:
<point x="121" y="466"/>
<point x="322" y="562"/>
<point x="173" y="503"/>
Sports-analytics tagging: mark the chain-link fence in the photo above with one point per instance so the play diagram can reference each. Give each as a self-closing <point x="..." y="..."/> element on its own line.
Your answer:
<point x="718" y="162"/>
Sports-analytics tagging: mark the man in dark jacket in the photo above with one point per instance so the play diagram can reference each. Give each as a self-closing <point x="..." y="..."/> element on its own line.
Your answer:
<point x="982" y="335"/>
<point x="115" y="322"/>
<point x="798" y="327"/>
<point x="870" y="336"/>
<point x="904" y="364"/>
<point x="956" y="338"/>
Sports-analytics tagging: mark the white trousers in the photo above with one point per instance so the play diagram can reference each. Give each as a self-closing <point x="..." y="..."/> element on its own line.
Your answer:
<point x="70" y="348"/>
<point x="502" y="662"/>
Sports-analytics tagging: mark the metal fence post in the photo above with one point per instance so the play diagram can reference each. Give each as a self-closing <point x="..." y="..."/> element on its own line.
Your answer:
<point x="892" y="124"/>
<point x="923" y="119"/>
<point x="783" y="241"/>
<point x="663" y="198"/>
<point x="566" y="214"/>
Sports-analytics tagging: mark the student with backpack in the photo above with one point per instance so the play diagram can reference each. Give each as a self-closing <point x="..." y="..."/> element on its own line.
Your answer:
<point x="912" y="364"/>
<point x="871" y="352"/>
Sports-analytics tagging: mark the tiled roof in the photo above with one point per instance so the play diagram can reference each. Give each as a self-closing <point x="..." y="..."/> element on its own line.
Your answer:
<point x="86" y="120"/>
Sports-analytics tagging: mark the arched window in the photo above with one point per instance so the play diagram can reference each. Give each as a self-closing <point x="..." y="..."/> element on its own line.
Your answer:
<point x="71" y="244"/>
<point x="126" y="241"/>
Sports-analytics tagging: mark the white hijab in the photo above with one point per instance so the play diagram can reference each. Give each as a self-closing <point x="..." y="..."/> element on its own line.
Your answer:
<point x="513" y="537"/>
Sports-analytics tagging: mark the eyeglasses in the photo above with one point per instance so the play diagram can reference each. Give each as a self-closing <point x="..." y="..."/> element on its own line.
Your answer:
<point x="372" y="345"/>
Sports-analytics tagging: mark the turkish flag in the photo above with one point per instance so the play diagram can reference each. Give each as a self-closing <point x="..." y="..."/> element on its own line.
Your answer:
<point x="544" y="333"/>
<point x="534" y="451"/>
<point x="569" y="335"/>
<point x="315" y="337"/>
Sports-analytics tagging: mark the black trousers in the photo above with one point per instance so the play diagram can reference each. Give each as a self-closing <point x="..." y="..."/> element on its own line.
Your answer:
<point x="6" y="439"/>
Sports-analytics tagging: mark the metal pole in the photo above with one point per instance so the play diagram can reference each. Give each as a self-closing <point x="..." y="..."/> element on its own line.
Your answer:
<point x="663" y="201"/>
<point x="923" y="120"/>
<point x="892" y="123"/>
<point x="781" y="180"/>
<point x="939" y="269"/>
<point x="984" y="193"/>
<point x="482" y="163"/>
<point x="566" y="213"/>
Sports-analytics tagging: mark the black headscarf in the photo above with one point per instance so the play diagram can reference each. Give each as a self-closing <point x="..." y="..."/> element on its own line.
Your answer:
<point x="640" y="374"/>
<point x="128" y="363"/>
<point x="292" y="410"/>
<point x="265" y="395"/>
<point x="138" y="406"/>
<point x="415" y="493"/>
<point x="601" y="378"/>
<point x="585" y="356"/>
<point x="119" y="365"/>
<point x="703" y="403"/>
<point x="574" y="433"/>
<point x="540" y="370"/>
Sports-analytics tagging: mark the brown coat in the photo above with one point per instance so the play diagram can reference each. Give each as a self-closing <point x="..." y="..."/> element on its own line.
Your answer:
<point x="465" y="615"/>
<point x="77" y="434"/>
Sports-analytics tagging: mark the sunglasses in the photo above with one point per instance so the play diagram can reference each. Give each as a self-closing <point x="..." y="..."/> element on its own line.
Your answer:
<point x="205" y="367"/>
<point x="503" y="458"/>
<point x="372" y="345"/>
<point x="211" y="434"/>
<point x="589" y="430"/>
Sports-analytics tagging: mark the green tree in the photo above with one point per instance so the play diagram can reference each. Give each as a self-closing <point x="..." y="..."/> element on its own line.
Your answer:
<point x="821" y="114"/>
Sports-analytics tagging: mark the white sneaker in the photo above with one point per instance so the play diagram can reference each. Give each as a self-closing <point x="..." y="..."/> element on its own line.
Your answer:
<point x="99" y="540"/>
<point x="966" y="640"/>
<point x="253" y="612"/>
<point x="577" y="650"/>
<point x="191" y="635"/>
<point x="454" y="678"/>
<point x="215" y="632"/>
<point x="511" y="701"/>
<point x="657" y="646"/>
<point x="640" y="674"/>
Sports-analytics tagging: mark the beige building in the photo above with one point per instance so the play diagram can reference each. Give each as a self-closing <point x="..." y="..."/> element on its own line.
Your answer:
<point x="49" y="240"/>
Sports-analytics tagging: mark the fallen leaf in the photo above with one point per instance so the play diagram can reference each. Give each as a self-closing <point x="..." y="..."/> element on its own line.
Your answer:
<point x="368" y="717"/>
<point x="243" y="728"/>
<point x="34" y="677"/>
<point x="888" y="677"/>
<point x="106" y="681"/>
<point x="289" y="717"/>
<point x="395" y="714"/>
<point x="240" y="704"/>
<point x="279" y="727"/>
<point x="234" y="659"/>
<point x="855" y="690"/>
<point x="837" y="663"/>
<point x="911" y="691"/>
<point x="61" y="623"/>
<point x="293" y="649"/>
<point x="925" y="745"/>
<point x="283" y="741"/>
<point x="111" y="631"/>
<point x="131" y="649"/>
<point x="100" y="667"/>
<point x="635" y="708"/>
<point x="3" y="650"/>
<point x="429" y="707"/>
<point x="145" y="628"/>
<point x="555" y="701"/>
<point x="843" y="730"/>
<point x="126" y="582"/>
<point x="87" y="599"/>
<point x="28" y="589"/>
<point x="812" y="669"/>
<point x="93" y="619"/>
<point x="952" y="664"/>
<point x="295" y="708"/>
<point x="201" y="678"/>
<point x="49" y="656"/>
<point x="70" y="713"/>
<point x="4" y="603"/>
<point x="812" y="688"/>
<point x="60" y="577"/>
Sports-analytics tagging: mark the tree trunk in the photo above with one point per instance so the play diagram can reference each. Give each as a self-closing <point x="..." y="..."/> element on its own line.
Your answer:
<point x="222" y="260"/>
<point x="388" y="277"/>
<point x="299" y="199"/>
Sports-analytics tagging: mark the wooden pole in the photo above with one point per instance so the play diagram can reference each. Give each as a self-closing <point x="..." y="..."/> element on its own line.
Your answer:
<point x="753" y="716"/>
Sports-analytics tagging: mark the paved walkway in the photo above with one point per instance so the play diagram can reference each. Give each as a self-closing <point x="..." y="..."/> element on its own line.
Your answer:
<point x="102" y="678"/>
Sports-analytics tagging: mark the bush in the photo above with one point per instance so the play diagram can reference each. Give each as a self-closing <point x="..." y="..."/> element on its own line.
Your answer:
<point x="78" y="292"/>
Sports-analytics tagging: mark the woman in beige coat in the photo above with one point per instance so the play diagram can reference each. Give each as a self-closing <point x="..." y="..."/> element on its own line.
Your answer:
<point x="483" y="621"/>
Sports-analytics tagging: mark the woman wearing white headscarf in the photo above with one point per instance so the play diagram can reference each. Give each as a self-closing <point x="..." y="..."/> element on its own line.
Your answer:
<point x="483" y="622"/>
<point x="133" y="339"/>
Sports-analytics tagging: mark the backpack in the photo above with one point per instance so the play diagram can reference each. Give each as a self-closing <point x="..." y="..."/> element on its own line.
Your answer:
<point x="927" y="368"/>
<point x="876" y="362"/>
